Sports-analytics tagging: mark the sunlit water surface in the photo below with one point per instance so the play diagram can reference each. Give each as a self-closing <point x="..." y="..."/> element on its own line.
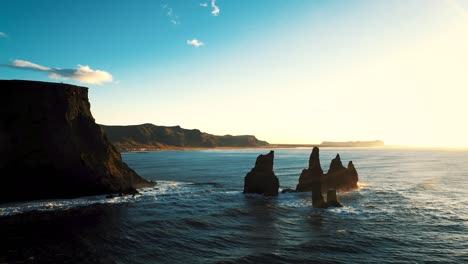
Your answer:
<point x="412" y="206"/>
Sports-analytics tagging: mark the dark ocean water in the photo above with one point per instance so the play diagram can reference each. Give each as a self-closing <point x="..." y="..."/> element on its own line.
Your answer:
<point x="412" y="206"/>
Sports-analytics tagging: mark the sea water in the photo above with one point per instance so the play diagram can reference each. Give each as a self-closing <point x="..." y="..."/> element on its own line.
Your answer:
<point x="411" y="206"/>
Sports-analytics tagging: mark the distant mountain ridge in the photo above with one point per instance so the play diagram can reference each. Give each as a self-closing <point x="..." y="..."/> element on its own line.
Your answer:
<point x="153" y="137"/>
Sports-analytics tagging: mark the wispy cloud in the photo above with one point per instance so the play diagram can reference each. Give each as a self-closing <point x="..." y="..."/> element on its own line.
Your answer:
<point x="215" y="11"/>
<point x="204" y="4"/>
<point x="3" y="35"/>
<point x="173" y="18"/>
<point x="82" y="73"/>
<point x="195" y="42"/>
<point x="29" y="65"/>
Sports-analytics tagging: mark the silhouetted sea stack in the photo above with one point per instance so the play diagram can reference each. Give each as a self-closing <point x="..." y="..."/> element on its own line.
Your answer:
<point x="336" y="165"/>
<point x="337" y="178"/>
<point x="332" y="200"/>
<point x="311" y="180"/>
<point x="341" y="178"/>
<point x="50" y="146"/>
<point x="312" y="177"/>
<point x="261" y="179"/>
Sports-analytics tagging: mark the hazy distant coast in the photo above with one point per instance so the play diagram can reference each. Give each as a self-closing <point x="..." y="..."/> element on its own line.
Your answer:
<point x="152" y="137"/>
<point x="149" y="137"/>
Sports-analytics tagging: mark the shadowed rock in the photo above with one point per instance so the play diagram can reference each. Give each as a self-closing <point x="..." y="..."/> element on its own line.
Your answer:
<point x="336" y="165"/>
<point x="332" y="200"/>
<point x="338" y="177"/>
<point x="311" y="180"/>
<point x="311" y="177"/>
<point x="50" y="146"/>
<point x="343" y="179"/>
<point x="261" y="179"/>
<point x="317" y="198"/>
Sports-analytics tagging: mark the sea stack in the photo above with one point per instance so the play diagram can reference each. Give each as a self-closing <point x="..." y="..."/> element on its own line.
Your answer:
<point x="313" y="175"/>
<point x="311" y="179"/>
<point x="52" y="148"/>
<point x="340" y="178"/>
<point x="261" y="179"/>
<point x="336" y="165"/>
<point x="332" y="200"/>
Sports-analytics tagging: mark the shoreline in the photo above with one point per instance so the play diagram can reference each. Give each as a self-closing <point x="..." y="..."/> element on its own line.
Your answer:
<point x="291" y="146"/>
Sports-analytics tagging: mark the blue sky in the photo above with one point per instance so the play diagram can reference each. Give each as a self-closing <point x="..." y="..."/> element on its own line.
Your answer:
<point x="298" y="71"/>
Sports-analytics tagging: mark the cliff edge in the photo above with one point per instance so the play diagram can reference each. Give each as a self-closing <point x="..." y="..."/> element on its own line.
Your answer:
<point x="50" y="146"/>
<point x="151" y="137"/>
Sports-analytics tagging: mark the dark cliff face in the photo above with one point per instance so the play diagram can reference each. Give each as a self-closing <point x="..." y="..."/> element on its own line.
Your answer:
<point x="50" y="146"/>
<point x="261" y="179"/>
<point x="150" y="136"/>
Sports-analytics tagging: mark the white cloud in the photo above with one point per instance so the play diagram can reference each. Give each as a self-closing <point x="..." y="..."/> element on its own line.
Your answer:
<point x="195" y="43"/>
<point x="204" y="4"/>
<point x="82" y="73"/>
<point x="215" y="11"/>
<point x="27" y="64"/>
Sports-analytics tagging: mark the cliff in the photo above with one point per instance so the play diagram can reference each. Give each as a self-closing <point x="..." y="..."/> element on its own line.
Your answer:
<point x="149" y="136"/>
<point x="50" y="146"/>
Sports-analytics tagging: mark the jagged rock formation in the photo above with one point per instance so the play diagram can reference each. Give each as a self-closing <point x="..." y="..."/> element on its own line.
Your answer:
<point x="313" y="176"/>
<point x="336" y="165"/>
<point x="340" y="178"/>
<point x="50" y="146"/>
<point x="332" y="200"/>
<point x="311" y="179"/>
<point x="337" y="178"/>
<point x="151" y="137"/>
<point x="261" y="179"/>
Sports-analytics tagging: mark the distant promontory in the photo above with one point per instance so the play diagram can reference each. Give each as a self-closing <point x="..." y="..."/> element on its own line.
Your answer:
<point x="375" y="143"/>
<point x="153" y="137"/>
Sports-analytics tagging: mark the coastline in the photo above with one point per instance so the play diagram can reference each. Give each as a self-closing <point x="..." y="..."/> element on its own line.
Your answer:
<point x="290" y="146"/>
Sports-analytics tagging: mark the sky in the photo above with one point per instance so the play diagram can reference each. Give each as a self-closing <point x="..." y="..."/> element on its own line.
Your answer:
<point x="297" y="71"/>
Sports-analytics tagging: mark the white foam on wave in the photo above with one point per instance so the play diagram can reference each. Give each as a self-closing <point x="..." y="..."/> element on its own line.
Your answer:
<point x="61" y="204"/>
<point x="162" y="188"/>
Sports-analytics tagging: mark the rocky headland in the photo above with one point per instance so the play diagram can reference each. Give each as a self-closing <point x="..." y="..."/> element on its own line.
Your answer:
<point x="152" y="137"/>
<point x="51" y="146"/>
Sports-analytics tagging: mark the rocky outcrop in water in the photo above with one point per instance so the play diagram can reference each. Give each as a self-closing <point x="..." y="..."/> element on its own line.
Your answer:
<point x="338" y="177"/>
<point x="332" y="200"/>
<point x="311" y="179"/>
<point x="313" y="176"/>
<point x="50" y="146"/>
<point x="261" y="179"/>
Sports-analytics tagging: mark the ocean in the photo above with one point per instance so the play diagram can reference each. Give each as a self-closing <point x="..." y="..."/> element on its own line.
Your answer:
<point x="411" y="207"/>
